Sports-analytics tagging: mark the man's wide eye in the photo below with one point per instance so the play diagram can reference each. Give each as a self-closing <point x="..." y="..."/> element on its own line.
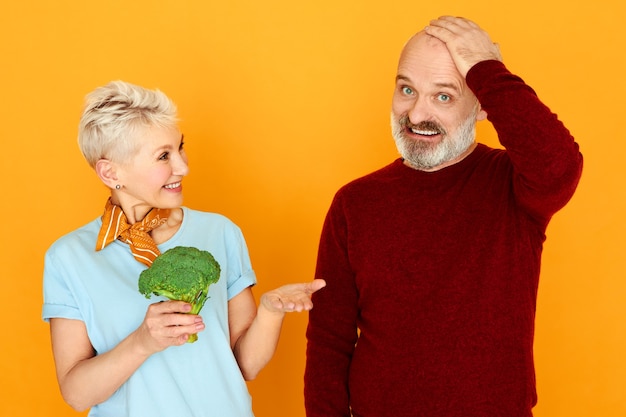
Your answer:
<point x="407" y="90"/>
<point x="444" y="97"/>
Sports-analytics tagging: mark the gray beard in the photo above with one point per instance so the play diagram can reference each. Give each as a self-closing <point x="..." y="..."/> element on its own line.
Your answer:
<point x="425" y="156"/>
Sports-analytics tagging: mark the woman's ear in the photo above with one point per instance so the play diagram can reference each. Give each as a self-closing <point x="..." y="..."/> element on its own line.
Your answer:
<point x="105" y="170"/>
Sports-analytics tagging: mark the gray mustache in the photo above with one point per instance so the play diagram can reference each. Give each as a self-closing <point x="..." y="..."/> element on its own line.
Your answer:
<point x="423" y="125"/>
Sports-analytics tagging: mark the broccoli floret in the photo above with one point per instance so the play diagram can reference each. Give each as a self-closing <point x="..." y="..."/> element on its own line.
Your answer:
<point x="181" y="273"/>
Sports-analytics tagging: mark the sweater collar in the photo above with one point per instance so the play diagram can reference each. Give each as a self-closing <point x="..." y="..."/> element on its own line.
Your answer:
<point x="449" y="171"/>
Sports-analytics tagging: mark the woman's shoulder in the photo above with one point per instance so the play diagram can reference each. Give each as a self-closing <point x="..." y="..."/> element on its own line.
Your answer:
<point x="203" y="229"/>
<point x="82" y="237"/>
<point x="198" y="220"/>
<point x="193" y="216"/>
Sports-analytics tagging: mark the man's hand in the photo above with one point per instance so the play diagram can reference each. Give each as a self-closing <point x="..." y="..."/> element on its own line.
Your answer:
<point x="467" y="43"/>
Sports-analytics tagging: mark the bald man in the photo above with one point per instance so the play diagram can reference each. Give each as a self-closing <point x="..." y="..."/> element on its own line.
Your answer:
<point x="432" y="262"/>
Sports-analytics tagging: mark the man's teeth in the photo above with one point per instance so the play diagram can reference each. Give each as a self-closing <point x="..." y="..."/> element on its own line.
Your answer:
<point x="425" y="132"/>
<point x="175" y="185"/>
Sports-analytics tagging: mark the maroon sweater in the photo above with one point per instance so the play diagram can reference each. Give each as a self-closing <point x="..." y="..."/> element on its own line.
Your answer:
<point x="432" y="276"/>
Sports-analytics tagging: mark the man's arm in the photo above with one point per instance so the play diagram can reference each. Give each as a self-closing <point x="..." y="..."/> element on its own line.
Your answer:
<point x="332" y="329"/>
<point x="546" y="159"/>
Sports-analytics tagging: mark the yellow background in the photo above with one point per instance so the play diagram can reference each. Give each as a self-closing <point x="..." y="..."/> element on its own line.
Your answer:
<point x="282" y="102"/>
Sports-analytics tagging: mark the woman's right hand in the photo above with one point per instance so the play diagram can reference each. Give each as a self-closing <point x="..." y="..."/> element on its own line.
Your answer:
<point x="167" y="324"/>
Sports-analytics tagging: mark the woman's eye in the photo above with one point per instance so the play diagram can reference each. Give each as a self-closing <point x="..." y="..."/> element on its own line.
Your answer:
<point x="181" y="147"/>
<point x="407" y="91"/>
<point x="164" y="157"/>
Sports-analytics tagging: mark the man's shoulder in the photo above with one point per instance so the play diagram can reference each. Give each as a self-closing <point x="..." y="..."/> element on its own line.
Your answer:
<point x="380" y="175"/>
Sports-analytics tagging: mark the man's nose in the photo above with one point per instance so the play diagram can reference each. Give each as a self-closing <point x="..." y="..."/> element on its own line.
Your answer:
<point x="420" y="110"/>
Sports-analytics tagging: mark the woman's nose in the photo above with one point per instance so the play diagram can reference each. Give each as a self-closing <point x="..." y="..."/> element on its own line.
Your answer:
<point x="181" y="167"/>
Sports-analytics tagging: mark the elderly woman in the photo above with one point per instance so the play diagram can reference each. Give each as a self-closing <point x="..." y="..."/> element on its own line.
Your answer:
<point x="117" y="352"/>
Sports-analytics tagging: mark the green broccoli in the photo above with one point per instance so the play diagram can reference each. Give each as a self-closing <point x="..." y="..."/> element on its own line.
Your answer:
<point x="181" y="273"/>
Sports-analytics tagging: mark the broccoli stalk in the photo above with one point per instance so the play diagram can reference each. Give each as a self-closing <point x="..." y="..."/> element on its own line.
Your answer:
<point x="181" y="273"/>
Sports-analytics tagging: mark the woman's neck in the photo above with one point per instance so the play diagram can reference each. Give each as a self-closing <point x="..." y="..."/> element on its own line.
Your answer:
<point x="164" y="232"/>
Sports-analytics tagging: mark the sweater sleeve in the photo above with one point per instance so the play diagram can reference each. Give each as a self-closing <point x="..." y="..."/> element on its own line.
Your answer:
<point x="332" y="328"/>
<point x="546" y="161"/>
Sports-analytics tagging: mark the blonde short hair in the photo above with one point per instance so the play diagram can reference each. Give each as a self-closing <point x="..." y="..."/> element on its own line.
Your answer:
<point x="115" y="115"/>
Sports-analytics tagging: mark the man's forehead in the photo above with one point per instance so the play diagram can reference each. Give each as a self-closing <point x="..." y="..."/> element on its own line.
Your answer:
<point x="428" y="56"/>
<point x="422" y="38"/>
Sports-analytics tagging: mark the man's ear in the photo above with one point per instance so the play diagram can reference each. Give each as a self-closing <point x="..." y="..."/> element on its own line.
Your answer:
<point x="481" y="115"/>
<point x="105" y="170"/>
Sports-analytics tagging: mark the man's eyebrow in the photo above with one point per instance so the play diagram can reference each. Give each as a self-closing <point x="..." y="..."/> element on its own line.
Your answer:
<point x="452" y="86"/>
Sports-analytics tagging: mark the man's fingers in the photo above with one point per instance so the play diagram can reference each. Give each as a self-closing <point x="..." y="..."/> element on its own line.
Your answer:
<point x="467" y="43"/>
<point x="448" y="27"/>
<point x="453" y="23"/>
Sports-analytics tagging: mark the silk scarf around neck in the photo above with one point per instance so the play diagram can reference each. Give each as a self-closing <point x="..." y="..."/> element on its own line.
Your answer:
<point x="115" y="226"/>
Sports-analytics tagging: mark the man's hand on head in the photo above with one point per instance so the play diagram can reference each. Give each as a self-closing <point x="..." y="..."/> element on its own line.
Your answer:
<point x="467" y="43"/>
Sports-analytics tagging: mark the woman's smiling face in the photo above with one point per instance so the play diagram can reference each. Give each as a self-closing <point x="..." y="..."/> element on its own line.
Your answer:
<point x="153" y="175"/>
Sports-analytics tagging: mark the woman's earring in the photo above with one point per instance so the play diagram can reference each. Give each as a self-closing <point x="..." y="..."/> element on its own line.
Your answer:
<point x="117" y="187"/>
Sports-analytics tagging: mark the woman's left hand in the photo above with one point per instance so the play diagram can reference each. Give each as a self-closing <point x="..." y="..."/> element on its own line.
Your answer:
<point x="291" y="297"/>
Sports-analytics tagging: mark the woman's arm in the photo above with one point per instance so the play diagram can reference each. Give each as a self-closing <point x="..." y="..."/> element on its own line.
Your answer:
<point x="86" y="378"/>
<point x="254" y="332"/>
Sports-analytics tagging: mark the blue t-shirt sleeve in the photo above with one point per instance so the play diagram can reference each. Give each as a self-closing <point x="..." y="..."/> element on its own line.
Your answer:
<point x="241" y="275"/>
<point x="59" y="300"/>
